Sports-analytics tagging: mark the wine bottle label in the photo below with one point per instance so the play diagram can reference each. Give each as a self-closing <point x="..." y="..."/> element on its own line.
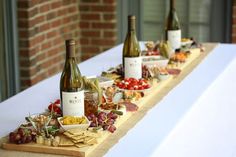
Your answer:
<point x="174" y="37"/>
<point x="133" y="67"/>
<point x="73" y="103"/>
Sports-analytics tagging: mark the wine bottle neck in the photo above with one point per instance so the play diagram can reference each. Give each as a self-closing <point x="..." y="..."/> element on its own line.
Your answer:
<point x="131" y="23"/>
<point x="172" y="4"/>
<point x="70" y="48"/>
<point x="70" y="51"/>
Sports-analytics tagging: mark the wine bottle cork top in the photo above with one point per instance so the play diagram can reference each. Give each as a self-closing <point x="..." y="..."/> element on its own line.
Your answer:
<point x="131" y="17"/>
<point x="70" y="42"/>
<point x="70" y="48"/>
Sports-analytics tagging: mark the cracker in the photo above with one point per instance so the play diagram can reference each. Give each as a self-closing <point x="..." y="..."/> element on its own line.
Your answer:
<point x="81" y="145"/>
<point x="76" y="131"/>
<point x="92" y="134"/>
<point x="64" y="141"/>
<point x="91" y="141"/>
<point x="80" y="138"/>
<point x="78" y="141"/>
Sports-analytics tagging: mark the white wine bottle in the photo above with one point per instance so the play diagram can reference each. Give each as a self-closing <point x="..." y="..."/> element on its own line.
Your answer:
<point x="132" y="62"/>
<point x="173" y="31"/>
<point x="71" y="84"/>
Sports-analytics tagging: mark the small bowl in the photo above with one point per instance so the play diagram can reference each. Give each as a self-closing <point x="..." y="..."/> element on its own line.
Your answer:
<point x="72" y="126"/>
<point x="103" y="81"/>
<point x="157" y="61"/>
<point x="162" y="76"/>
<point x="186" y="43"/>
<point x="39" y="120"/>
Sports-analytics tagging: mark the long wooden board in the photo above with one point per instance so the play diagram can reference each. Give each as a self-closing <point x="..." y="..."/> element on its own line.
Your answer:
<point x="123" y="124"/>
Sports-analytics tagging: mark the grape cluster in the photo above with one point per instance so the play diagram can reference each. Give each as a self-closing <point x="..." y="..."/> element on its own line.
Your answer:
<point x="103" y="119"/>
<point x="22" y="135"/>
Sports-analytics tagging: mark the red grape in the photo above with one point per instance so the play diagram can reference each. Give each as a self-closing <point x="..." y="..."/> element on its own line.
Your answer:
<point x="23" y="139"/>
<point x="112" y="128"/>
<point x="28" y="138"/>
<point x="33" y="136"/>
<point x="92" y="124"/>
<point x="100" y="121"/>
<point x="12" y="137"/>
<point x="112" y="115"/>
<point x="110" y="121"/>
<point x="105" y="120"/>
<point x="21" y="131"/>
<point x="105" y="127"/>
<point x="101" y="115"/>
<point x="22" y="135"/>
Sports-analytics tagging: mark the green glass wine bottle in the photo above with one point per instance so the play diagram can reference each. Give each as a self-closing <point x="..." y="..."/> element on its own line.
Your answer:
<point x="71" y="84"/>
<point x="173" y="31"/>
<point x="132" y="62"/>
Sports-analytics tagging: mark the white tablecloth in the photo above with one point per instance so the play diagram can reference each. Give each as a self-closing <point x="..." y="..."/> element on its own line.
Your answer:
<point x="197" y="118"/>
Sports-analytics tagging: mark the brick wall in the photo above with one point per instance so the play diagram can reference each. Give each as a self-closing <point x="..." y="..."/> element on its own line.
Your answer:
<point x="98" y="26"/>
<point x="43" y="26"/>
<point x="234" y="23"/>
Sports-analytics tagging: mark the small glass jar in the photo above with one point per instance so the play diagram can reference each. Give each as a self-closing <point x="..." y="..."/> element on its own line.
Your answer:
<point x="91" y="100"/>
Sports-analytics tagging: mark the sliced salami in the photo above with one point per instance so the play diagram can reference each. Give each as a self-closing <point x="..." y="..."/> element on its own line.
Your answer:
<point x="174" y="71"/>
<point x="130" y="107"/>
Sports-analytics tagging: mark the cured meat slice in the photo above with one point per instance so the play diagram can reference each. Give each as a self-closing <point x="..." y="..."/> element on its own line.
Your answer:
<point x="130" y="107"/>
<point x="174" y="71"/>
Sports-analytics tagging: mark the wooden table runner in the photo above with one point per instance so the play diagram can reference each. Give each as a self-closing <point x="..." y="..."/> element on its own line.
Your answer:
<point x="159" y="93"/>
<point x="108" y="140"/>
